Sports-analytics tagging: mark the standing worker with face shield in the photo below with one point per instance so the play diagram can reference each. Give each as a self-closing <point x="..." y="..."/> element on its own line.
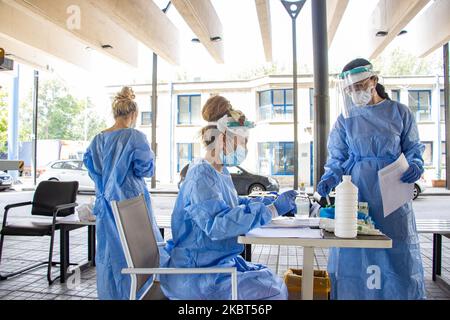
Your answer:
<point x="118" y="159"/>
<point x="209" y="216"/>
<point x="371" y="133"/>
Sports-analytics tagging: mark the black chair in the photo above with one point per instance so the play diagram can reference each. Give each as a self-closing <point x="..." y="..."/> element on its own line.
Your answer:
<point x="51" y="199"/>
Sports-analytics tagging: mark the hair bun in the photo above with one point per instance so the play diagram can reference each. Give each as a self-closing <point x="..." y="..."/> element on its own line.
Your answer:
<point x="126" y="94"/>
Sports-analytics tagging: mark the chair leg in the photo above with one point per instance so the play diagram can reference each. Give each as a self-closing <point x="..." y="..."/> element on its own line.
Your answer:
<point x="1" y="246"/>
<point x="1" y="250"/>
<point x="50" y="260"/>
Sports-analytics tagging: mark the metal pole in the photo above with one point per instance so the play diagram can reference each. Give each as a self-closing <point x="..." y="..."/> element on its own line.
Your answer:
<point x="154" y="110"/>
<point x="295" y="92"/>
<point x="447" y="116"/>
<point x="293" y="8"/>
<point x="34" y="135"/>
<point x="321" y="86"/>
<point x="13" y="127"/>
<point x="155" y="103"/>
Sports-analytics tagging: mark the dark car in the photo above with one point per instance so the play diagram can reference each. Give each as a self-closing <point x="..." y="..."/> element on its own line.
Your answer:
<point x="244" y="181"/>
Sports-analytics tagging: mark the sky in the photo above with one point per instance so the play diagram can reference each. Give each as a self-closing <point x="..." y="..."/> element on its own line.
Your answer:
<point x="243" y="49"/>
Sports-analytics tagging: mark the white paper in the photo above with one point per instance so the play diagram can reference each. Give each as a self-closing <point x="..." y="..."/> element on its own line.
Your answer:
<point x="292" y="222"/>
<point x="305" y="233"/>
<point x="394" y="192"/>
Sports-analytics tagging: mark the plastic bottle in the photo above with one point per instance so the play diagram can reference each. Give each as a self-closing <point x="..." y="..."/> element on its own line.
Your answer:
<point x="302" y="202"/>
<point x="346" y="211"/>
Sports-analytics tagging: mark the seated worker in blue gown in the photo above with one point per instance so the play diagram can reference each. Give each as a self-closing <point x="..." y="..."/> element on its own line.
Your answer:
<point x="117" y="160"/>
<point x="209" y="216"/>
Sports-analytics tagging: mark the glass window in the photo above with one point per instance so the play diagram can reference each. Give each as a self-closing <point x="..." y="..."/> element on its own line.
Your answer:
<point x="278" y="97"/>
<point x="57" y="165"/>
<point x="428" y="153"/>
<point x="442" y="103"/>
<point x="395" y="95"/>
<point x="420" y="104"/>
<point x="276" y="158"/>
<point x="71" y="165"/>
<point x="234" y="170"/>
<point x="183" y="110"/>
<point x="146" y="118"/>
<point x="195" y="109"/>
<point x="189" y="109"/>
<point x="276" y="105"/>
<point x="186" y="153"/>
<point x="265" y="98"/>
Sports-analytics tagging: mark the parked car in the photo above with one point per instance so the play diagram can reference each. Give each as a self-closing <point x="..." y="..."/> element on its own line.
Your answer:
<point x="244" y="181"/>
<point x="419" y="187"/>
<point x="5" y="181"/>
<point x="68" y="170"/>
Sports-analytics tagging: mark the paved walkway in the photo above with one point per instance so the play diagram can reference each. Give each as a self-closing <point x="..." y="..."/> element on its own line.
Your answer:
<point x="19" y="252"/>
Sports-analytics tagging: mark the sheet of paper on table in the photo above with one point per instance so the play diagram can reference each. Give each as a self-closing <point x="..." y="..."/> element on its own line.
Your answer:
<point x="394" y="192"/>
<point x="305" y="233"/>
<point x="293" y="222"/>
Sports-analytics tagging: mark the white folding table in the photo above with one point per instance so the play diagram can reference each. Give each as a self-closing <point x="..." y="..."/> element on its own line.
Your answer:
<point x="329" y="240"/>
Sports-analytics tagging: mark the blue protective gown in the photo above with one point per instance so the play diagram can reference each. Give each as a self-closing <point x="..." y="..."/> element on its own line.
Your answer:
<point x="206" y="221"/>
<point x="117" y="162"/>
<point x="360" y="146"/>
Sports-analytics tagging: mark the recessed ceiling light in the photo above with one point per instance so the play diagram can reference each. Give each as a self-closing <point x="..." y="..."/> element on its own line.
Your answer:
<point x="381" y="34"/>
<point x="216" y="39"/>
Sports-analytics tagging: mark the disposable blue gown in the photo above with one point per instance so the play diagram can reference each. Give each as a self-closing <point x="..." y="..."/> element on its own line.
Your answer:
<point x="361" y="145"/>
<point x="206" y="221"/>
<point x="117" y="162"/>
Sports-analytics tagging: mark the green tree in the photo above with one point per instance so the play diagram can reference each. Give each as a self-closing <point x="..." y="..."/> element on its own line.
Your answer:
<point x="399" y="62"/>
<point x="61" y="116"/>
<point x="3" y="122"/>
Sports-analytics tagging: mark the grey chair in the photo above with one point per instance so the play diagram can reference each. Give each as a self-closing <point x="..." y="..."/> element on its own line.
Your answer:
<point x="51" y="199"/>
<point x="142" y="253"/>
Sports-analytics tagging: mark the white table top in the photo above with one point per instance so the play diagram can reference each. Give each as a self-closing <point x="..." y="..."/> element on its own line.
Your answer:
<point x="162" y="221"/>
<point x="329" y="240"/>
<point x="433" y="226"/>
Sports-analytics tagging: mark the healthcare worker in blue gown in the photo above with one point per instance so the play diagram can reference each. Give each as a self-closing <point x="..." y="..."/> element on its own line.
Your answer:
<point x="371" y="133"/>
<point x="209" y="216"/>
<point x="118" y="159"/>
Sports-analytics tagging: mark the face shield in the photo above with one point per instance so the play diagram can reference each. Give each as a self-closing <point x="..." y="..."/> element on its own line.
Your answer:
<point x="355" y="90"/>
<point x="232" y="150"/>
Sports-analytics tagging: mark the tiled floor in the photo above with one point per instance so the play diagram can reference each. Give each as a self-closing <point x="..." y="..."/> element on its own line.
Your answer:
<point x="20" y="251"/>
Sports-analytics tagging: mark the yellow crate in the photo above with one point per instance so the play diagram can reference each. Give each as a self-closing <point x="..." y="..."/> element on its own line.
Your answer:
<point x="293" y="281"/>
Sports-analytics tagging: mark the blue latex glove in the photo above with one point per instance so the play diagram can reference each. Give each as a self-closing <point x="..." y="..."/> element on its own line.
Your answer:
<point x="412" y="174"/>
<point x="325" y="186"/>
<point x="285" y="203"/>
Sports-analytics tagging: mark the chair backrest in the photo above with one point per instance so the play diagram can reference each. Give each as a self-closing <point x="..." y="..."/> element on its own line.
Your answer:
<point x="137" y="237"/>
<point x="54" y="193"/>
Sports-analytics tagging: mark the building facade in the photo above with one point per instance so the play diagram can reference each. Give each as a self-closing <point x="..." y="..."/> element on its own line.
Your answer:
<point x="269" y="102"/>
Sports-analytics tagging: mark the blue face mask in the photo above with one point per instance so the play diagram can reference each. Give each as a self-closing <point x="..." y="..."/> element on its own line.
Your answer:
<point x="234" y="158"/>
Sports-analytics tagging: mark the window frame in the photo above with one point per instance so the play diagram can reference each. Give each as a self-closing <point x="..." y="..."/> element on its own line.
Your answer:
<point x="272" y="105"/>
<point x="271" y="146"/>
<point x="189" y="96"/>
<point x="417" y="114"/>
